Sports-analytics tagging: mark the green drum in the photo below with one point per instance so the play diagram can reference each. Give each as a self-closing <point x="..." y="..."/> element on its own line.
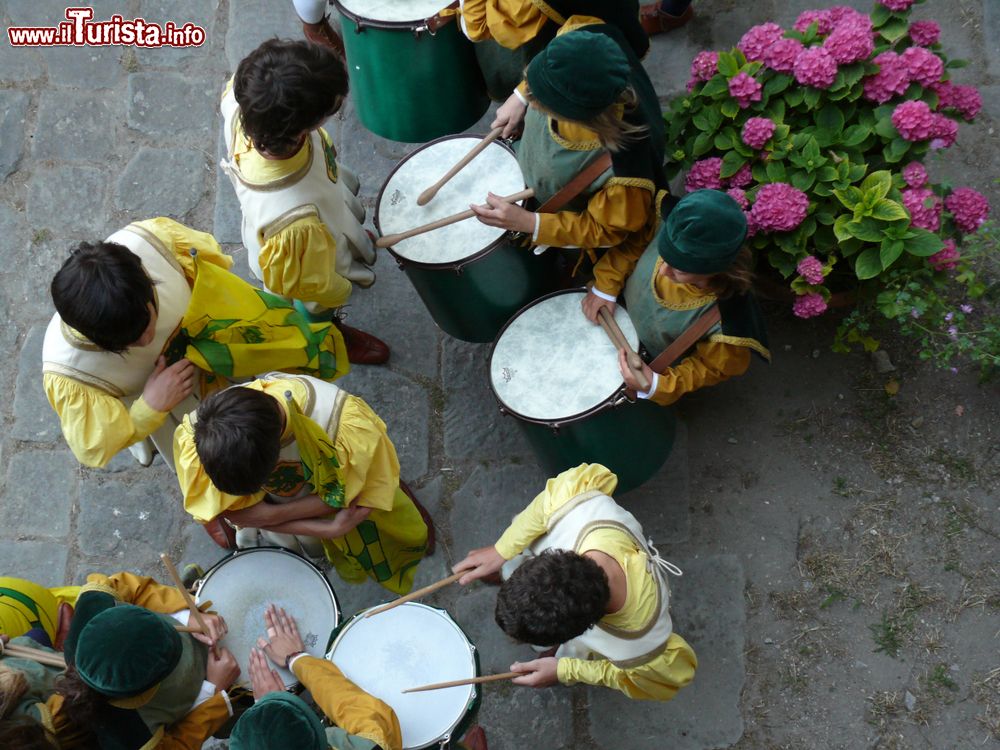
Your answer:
<point x="503" y="68"/>
<point x="557" y="374"/>
<point x="471" y="277"/>
<point x="413" y="73"/>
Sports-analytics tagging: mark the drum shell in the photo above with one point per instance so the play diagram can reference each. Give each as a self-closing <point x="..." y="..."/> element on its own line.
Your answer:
<point x="412" y="86"/>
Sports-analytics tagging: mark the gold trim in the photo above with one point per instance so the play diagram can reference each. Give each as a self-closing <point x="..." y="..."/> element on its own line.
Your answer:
<point x="572" y="145"/>
<point x="338" y="407"/>
<point x="76" y="339"/>
<point x="698" y="302"/>
<point x="55" y="368"/>
<point x="136" y="701"/>
<point x="282" y="182"/>
<point x="155" y="740"/>
<point x="636" y="182"/>
<point x="749" y="343"/>
<point x="99" y="588"/>
<point x="157" y="245"/>
<point x="285" y="220"/>
<point x="549" y="11"/>
<point x="571" y="504"/>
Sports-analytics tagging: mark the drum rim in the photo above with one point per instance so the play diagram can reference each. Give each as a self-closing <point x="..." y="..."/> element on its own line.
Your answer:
<point x="454" y="265"/>
<point x="415" y="24"/>
<point x="472" y="707"/>
<point x="601" y="406"/>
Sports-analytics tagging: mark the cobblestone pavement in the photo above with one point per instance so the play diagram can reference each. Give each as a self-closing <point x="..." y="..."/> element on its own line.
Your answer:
<point x="93" y="138"/>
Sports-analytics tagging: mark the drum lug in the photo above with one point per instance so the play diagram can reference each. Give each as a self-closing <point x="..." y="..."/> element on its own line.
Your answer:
<point x="555" y="428"/>
<point x="400" y="264"/>
<point x="623" y="398"/>
<point x="503" y="410"/>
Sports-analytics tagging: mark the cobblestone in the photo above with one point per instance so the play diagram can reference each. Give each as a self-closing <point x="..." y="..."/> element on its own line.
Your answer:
<point x="38" y="503"/>
<point x="13" y="110"/>
<point x="96" y="68"/>
<point x="179" y="12"/>
<point x="253" y="21"/>
<point x="41" y="561"/>
<point x="170" y="104"/>
<point x="161" y="182"/>
<point x="67" y="200"/>
<point x="74" y="127"/>
<point x="34" y="420"/>
<point x="20" y="63"/>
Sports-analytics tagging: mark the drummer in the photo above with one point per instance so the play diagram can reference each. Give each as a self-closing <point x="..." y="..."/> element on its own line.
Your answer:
<point x="574" y="559"/>
<point x="302" y="220"/>
<point x="585" y="95"/>
<point x="696" y="262"/>
<point x="323" y="459"/>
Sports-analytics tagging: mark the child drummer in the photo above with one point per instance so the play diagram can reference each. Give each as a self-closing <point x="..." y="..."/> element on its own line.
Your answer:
<point x="581" y="578"/>
<point x="302" y="220"/>
<point x="585" y="95"/>
<point x="300" y="463"/>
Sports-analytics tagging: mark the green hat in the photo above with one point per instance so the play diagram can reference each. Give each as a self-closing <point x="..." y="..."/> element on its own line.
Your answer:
<point x="126" y="651"/>
<point x="278" y="720"/>
<point x="579" y="75"/>
<point x="703" y="233"/>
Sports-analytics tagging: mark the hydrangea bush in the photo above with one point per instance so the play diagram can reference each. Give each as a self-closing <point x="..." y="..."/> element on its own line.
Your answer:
<point x="819" y="132"/>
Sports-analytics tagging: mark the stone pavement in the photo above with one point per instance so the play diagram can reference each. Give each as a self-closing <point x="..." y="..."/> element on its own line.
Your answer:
<point x="93" y="138"/>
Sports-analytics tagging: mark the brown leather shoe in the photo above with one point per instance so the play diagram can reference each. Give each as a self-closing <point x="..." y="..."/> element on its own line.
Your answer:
<point x="221" y="532"/>
<point x="425" y="514"/>
<point x="655" y="21"/>
<point x="475" y="739"/>
<point x="363" y="348"/>
<point x="322" y="33"/>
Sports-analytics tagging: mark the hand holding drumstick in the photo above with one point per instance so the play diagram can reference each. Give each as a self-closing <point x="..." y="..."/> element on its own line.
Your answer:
<point x="504" y="215"/>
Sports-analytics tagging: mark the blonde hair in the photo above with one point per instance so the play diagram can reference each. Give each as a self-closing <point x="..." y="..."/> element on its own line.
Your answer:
<point x="610" y="126"/>
<point x="735" y="280"/>
<point x="13" y="685"/>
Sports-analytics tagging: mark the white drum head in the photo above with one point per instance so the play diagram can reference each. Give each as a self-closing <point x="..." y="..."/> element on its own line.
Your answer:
<point x="551" y="363"/>
<point x="242" y="586"/>
<point x="396" y="11"/>
<point x="406" y="647"/>
<point x="494" y="170"/>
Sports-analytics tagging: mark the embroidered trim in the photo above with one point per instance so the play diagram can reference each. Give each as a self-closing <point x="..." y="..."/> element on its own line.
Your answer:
<point x="636" y="182"/>
<point x="569" y="505"/>
<point x="137" y="701"/>
<point x="338" y="407"/>
<point x="281" y="182"/>
<point x="157" y="245"/>
<point x="549" y="11"/>
<point x="572" y="145"/>
<point x="708" y="299"/>
<point x="76" y="339"/>
<point x="285" y="220"/>
<point x="81" y="377"/>
<point x="100" y="588"/>
<point x="749" y="343"/>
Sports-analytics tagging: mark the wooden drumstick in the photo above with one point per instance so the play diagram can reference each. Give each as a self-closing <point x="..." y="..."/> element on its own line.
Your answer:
<point x="610" y="326"/>
<point x="48" y="658"/>
<point x="391" y="239"/>
<point x="417" y="594"/>
<point x="470" y="681"/>
<point x="428" y="195"/>
<point x="195" y="612"/>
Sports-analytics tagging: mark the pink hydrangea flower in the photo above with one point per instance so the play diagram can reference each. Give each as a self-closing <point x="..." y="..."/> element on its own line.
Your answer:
<point x="924" y="66"/>
<point x="810" y="268"/>
<point x="915" y="175"/>
<point x="704" y="174"/>
<point x="850" y="42"/>
<point x="758" y="38"/>
<point x="815" y="67"/>
<point x="745" y="89"/>
<point x="821" y="18"/>
<point x="781" y="55"/>
<point x="966" y="99"/>
<point x="779" y="207"/>
<point x="757" y="131"/>
<point x="892" y="79"/>
<point x="914" y="120"/>
<point x="845" y="14"/>
<point x="705" y="65"/>
<point x="751" y="224"/>
<point x="924" y="208"/>
<point x="944" y="132"/>
<point x="809" y="305"/>
<point x="925" y="33"/>
<point x="897" y="5"/>
<point x="742" y="178"/>
<point x="969" y="208"/>
<point x="945" y="259"/>
<point x="739" y="195"/>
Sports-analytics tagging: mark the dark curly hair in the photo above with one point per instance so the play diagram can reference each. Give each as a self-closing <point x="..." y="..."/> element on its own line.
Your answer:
<point x="238" y="439"/>
<point x="286" y="88"/>
<point x="24" y="733"/>
<point x="552" y="598"/>
<point x="103" y="292"/>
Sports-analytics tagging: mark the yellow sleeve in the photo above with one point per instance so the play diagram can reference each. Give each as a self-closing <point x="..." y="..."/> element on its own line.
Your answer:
<point x="615" y="266"/>
<point x="201" y="498"/>
<point x="181" y="239"/>
<point x="347" y="705"/>
<point x="656" y="680"/>
<point x="510" y="23"/>
<point x="299" y="262"/>
<point x="613" y="213"/>
<point x="194" y="730"/>
<point x="139" y="590"/>
<point x="368" y="456"/>
<point x="97" y="426"/>
<point x="710" y="363"/>
<point x="533" y="521"/>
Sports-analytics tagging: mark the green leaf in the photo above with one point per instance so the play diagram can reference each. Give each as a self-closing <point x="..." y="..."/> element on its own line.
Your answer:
<point x="840" y="229"/>
<point x="831" y="118"/>
<point x="723" y="141"/>
<point x="760" y="172"/>
<point x="880" y="15"/>
<point x="885" y="128"/>
<point x="825" y="217"/>
<point x="728" y="65"/>
<point x="701" y="122"/>
<point x="716" y="85"/>
<point x="868" y="264"/>
<point x="890" y="252"/>
<point x="877" y="185"/>
<point x="887" y="210"/>
<point x="853" y="73"/>
<point x="776" y="110"/>
<point x="849" y="247"/>
<point x="924" y="243"/>
<point x="803" y="180"/>
<point x="702" y="144"/>
<point x="855" y="135"/>
<point x="732" y="162"/>
<point x="827" y="174"/>
<point x="850" y="197"/>
<point x="899" y="147"/>
<point x="776" y="172"/>
<point x="822" y="190"/>
<point x="811" y="97"/>
<point x="894" y="29"/>
<point x="955" y="64"/>
<point x="730" y="109"/>
<point x="794" y="96"/>
<point x="857" y="172"/>
<point x="777" y="84"/>
<point x="866" y="230"/>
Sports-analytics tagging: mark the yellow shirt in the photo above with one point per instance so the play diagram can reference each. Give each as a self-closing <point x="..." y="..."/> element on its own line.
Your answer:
<point x="510" y="23"/>
<point x="658" y="679"/>
<point x="97" y="425"/>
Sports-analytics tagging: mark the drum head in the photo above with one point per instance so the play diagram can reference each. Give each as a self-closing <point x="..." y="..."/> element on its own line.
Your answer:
<point x="242" y="585"/>
<point x="393" y="11"/>
<point x="494" y="170"/>
<point x="406" y="647"/>
<point x="551" y="364"/>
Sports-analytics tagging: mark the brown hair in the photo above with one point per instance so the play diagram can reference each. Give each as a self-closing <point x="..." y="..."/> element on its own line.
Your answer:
<point x="82" y="705"/>
<point x="610" y="126"/>
<point x="735" y="280"/>
<point x="13" y="684"/>
<point x="24" y="733"/>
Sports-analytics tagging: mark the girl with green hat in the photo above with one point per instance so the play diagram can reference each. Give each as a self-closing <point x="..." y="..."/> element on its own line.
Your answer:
<point x="584" y="97"/>
<point x="696" y="265"/>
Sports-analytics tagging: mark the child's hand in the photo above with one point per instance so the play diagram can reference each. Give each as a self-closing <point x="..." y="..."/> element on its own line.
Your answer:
<point x="499" y="213"/>
<point x="592" y="305"/>
<point x="283" y="635"/>
<point x="346" y="520"/>
<point x="263" y="679"/>
<point x="538" y="673"/>
<point x="222" y="670"/>
<point x="480" y="563"/>
<point x="510" y="115"/>
<point x="168" y="386"/>
<point x="217" y="629"/>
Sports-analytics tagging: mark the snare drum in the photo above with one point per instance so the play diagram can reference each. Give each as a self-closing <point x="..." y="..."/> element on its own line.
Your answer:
<point x="557" y="373"/>
<point x="413" y="74"/>
<point x="243" y="584"/>
<point x="470" y="276"/>
<point x="405" y="647"/>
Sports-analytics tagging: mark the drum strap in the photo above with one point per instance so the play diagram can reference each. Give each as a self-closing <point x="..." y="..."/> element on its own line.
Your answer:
<point x="577" y="185"/>
<point x="442" y="17"/>
<point x="691" y="335"/>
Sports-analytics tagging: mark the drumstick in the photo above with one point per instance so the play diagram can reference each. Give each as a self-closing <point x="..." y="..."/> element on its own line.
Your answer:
<point x="428" y="195"/>
<point x="33" y="654"/>
<point x="470" y="681"/>
<point x="195" y="612"/>
<point x="416" y="594"/>
<point x="391" y="239"/>
<point x="610" y="326"/>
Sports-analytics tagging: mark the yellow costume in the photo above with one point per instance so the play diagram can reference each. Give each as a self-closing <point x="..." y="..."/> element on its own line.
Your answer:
<point x="25" y="606"/>
<point x="664" y="674"/>
<point x="510" y="23"/>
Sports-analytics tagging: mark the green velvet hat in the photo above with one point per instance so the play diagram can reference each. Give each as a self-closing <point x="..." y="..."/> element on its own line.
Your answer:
<point x="126" y="650"/>
<point x="278" y="720"/>
<point x="579" y="75"/>
<point x="703" y="233"/>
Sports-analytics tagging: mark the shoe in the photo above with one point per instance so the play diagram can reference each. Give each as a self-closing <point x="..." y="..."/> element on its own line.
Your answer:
<point x="190" y="575"/>
<point x="363" y="348"/>
<point x="655" y="21"/>
<point x="221" y="532"/>
<point x="322" y="33"/>
<point x="64" y="620"/>
<point x="475" y="739"/>
<point x="431" y="536"/>
<point x="143" y="452"/>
